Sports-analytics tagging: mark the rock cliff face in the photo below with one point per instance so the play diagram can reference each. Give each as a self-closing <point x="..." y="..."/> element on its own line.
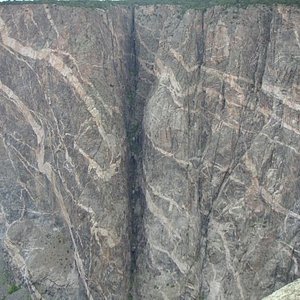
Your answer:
<point x="150" y="152"/>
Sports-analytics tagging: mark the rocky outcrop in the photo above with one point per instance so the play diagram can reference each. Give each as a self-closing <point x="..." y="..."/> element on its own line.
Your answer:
<point x="150" y="152"/>
<point x="288" y="292"/>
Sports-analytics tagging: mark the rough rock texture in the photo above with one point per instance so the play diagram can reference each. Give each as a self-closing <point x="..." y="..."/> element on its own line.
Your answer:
<point x="150" y="153"/>
<point x="288" y="292"/>
<point x="221" y="153"/>
<point x="64" y="197"/>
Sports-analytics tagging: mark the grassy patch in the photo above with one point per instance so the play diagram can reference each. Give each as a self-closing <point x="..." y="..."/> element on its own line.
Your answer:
<point x="13" y="288"/>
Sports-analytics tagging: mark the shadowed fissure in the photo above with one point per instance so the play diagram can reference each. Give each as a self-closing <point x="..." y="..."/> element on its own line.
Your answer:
<point x="134" y="130"/>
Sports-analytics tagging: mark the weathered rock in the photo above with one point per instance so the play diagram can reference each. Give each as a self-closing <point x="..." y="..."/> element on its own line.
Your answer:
<point x="150" y="153"/>
<point x="64" y="198"/>
<point x="288" y="292"/>
<point x="221" y="152"/>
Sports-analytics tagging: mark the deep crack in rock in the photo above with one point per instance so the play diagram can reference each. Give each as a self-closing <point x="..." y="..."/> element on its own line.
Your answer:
<point x="149" y="152"/>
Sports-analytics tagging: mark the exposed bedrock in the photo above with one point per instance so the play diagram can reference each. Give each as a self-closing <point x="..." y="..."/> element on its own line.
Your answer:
<point x="150" y="152"/>
<point x="289" y="292"/>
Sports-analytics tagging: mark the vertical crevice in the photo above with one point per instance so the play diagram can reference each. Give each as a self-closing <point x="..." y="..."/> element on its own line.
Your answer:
<point x="266" y="27"/>
<point x="134" y="130"/>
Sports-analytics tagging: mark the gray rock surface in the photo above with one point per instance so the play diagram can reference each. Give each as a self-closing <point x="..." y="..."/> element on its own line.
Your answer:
<point x="64" y="198"/>
<point x="288" y="292"/>
<point x="150" y="153"/>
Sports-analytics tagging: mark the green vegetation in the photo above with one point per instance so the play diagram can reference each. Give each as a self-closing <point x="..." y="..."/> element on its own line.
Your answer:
<point x="13" y="288"/>
<point x="198" y="4"/>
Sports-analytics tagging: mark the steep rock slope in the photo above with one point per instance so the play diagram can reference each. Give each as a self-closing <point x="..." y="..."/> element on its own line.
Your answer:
<point x="221" y="152"/>
<point x="150" y="151"/>
<point x="64" y="198"/>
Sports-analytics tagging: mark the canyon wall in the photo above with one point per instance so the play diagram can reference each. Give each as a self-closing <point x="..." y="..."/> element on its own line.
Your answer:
<point x="150" y="152"/>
